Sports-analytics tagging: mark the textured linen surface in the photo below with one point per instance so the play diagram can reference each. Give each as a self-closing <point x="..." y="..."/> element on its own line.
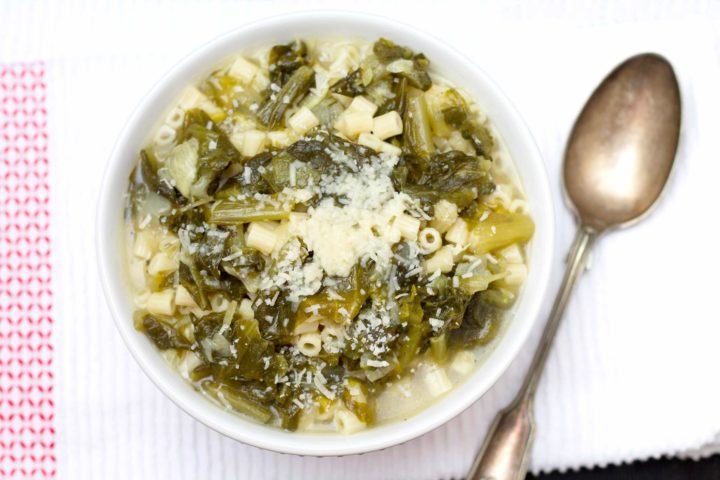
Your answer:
<point x="634" y="371"/>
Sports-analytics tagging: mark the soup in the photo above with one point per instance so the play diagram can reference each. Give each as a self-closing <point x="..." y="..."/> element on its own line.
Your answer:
<point x="324" y="235"/>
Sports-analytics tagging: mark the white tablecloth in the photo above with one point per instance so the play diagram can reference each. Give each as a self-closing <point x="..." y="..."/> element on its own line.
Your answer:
<point x="634" y="371"/>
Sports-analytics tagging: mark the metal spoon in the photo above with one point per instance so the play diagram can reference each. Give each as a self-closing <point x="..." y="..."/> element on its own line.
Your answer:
<point x="618" y="158"/>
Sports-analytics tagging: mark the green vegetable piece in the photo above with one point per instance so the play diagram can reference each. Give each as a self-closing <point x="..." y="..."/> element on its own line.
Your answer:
<point x="242" y="262"/>
<point x="271" y="112"/>
<point x="474" y="211"/>
<point x="481" y="323"/>
<point x="162" y="281"/>
<point x="417" y="134"/>
<point x="387" y="51"/>
<point x="452" y="176"/>
<point x="162" y="334"/>
<point x="236" y="212"/>
<point x="147" y="175"/>
<point x="481" y="139"/>
<point x="251" y="350"/>
<point x="398" y="101"/>
<point x="499" y="230"/>
<point x="339" y="304"/>
<point x="446" y="303"/>
<point x="191" y="279"/>
<point x="312" y="151"/>
<point x="288" y="412"/>
<point x="212" y="247"/>
<point x="249" y="181"/>
<point x="206" y="326"/>
<point x="414" y="70"/>
<point x="499" y="297"/>
<point x="182" y="166"/>
<point x="399" y="176"/>
<point x="206" y="245"/>
<point x="284" y="60"/>
<point x="238" y="400"/>
<point x="148" y="193"/>
<point x="222" y="90"/>
<point x="456" y="116"/>
<point x="478" y="134"/>
<point x="327" y="111"/>
<point x="201" y="283"/>
<point x="229" y="286"/>
<point x="324" y="149"/>
<point x="418" y="76"/>
<point x="355" y="397"/>
<point x="351" y="85"/>
<point x="410" y="311"/>
<point x="202" y="372"/>
<point x="286" y="172"/>
<point x="407" y="272"/>
<point x="275" y="315"/>
<point x="215" y="151"/>
<point x="439" y="348"/>
<point x="357" y="154"/>
<point x="180" y="217"/>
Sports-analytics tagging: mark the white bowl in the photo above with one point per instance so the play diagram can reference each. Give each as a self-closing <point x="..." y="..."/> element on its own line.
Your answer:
<point x="456" y="67"/>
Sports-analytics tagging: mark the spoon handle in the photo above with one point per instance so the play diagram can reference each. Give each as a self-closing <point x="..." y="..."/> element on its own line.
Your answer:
<point x="506" y="451"/>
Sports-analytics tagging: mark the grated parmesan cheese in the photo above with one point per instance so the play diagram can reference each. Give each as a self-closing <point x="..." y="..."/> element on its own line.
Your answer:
<point x="333" y="295"/>
<point x="145" y="222"/>
<point x="377" y="363"/>
<point x="436" y="323"/>
<point x="362" y="225"/>
<point x="319" y="381"/>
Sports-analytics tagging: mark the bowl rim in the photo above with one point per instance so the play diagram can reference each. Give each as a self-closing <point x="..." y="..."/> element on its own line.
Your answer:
<point x="245" y="430"/>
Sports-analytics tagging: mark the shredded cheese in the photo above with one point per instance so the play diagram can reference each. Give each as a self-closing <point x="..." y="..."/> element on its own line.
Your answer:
<point x="362" y="225"/>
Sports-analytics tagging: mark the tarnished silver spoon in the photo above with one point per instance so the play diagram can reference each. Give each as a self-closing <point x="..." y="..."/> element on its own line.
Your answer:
<point x="618" y="158"/>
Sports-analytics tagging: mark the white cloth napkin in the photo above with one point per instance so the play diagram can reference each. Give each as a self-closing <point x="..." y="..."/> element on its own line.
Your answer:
<point x="634" y="370"/>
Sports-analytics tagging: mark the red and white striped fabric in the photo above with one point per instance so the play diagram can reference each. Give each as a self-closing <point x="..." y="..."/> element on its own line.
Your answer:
<point x="27" y="434"/>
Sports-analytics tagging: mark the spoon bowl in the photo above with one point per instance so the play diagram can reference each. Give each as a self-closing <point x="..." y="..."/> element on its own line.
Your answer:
<point x="622" y="146"/>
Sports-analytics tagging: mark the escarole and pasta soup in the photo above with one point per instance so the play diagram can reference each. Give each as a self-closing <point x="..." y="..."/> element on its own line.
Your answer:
<point x="324" y="235"/>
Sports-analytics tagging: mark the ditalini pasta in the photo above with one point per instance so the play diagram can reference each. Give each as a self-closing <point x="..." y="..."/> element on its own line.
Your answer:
<point x="324" y="235"/>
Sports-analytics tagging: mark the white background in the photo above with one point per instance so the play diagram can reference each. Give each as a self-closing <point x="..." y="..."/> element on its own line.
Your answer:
<point x="634" y="371"/>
